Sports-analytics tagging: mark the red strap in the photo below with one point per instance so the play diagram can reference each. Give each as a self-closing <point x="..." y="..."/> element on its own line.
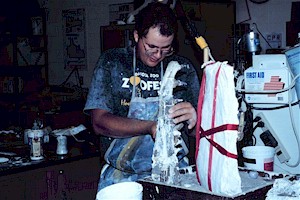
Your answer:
<point x="199" y="109"/>
<point x="213" y="119"/>
<point x="201" y="133"/>
<point x="216" y="145"/>
<point x="199" y="112"/>
<point x="218" y="129"/>
<point x="199" y="119"/>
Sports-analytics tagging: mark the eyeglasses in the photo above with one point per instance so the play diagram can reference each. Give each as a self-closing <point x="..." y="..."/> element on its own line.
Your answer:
<point x="155" y="50"/>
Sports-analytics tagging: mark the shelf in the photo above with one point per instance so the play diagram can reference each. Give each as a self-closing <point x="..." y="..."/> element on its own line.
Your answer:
<point x="9" y="96"/>
<point x="19" y="70"/>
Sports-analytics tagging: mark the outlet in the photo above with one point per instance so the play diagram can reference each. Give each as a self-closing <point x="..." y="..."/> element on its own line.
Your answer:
<point x="274" y="39"/>
<point x="270" y="138"/>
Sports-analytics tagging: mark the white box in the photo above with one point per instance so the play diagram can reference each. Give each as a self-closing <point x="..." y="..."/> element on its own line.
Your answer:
<point x="269" y="72"/>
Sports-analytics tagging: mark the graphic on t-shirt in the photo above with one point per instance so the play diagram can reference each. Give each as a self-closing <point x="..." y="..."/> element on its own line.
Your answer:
<point x="148" y="83"/>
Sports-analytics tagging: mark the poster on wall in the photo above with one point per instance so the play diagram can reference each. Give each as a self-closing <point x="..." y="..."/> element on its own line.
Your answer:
<point x="74" y="39"/>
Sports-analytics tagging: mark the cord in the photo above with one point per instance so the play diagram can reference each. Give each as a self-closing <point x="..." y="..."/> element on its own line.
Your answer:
<point x="240" y="84"/>
<point x="257" y="119"/>
<point x="277" y="107"/>
<point x="262" y="36"/>
<point x="248" y="11"/>
<point x="294" y="128"/>
<point x="259" y="124"/>
<point x="77" y="140"/>
<point x="248" y="129"/>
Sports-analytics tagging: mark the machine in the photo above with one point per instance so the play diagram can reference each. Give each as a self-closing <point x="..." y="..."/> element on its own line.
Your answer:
<point x="271" y="96"/>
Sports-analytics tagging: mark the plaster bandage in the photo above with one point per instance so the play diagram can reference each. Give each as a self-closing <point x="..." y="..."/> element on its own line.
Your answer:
<point x="216" y="131"/>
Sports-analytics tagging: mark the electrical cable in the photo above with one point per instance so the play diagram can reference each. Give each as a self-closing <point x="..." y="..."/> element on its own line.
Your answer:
<point x="289" y="105"/>
<point x="278" y="91"/>
<point x="279" y="166"/>
<point x="262" y="36"/>
<point x="75" y="70"/>
<point x="269" y="91"/>
<point x="294" y="129"/>
<point x="257" y="119"/>
<point x="259" y="124"/>
<point x="77" y="140"/>
<point x="77" y="77"/>
<point x="240" y="82"/>
<point x="248" y="129"/>
<point x="190" y="28"/>
<point x="259" y="2"/>
<point x="275" y="108"/>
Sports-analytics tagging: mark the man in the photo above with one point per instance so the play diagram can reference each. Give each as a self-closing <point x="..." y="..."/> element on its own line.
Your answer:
<point x="123" y="97"/>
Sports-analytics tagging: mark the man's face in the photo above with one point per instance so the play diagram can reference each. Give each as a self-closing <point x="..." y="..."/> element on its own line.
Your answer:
<point x="154" y="47"/>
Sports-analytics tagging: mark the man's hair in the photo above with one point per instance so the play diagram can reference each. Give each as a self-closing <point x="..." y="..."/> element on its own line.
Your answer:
<point x="156" y="15"/>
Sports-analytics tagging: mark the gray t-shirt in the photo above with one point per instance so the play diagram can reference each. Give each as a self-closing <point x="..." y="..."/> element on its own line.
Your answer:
<point x="111" y="86"/>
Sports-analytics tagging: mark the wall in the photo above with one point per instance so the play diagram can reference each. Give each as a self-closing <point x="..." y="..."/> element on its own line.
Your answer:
<point x="270" y="17"/>
<point x="96" y="15"/>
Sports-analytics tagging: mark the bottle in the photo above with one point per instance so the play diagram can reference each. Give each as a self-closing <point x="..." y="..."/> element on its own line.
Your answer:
<point x="35" y="125"/>
<point x="35" y="137"/>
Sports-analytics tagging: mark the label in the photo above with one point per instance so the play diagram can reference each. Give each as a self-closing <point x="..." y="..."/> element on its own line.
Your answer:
<point x="268" y="164"/>
<point x="262" y="80"/>
<point x="37" y="25"/>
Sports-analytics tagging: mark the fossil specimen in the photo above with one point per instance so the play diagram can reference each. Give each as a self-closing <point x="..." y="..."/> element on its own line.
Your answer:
<point x="168" y="138"/>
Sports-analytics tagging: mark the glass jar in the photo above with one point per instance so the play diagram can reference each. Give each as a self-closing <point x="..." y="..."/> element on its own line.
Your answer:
<point x="35" y="140"/>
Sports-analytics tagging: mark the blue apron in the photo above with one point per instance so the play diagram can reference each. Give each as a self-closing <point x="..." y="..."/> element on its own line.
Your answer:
<point x="130" y="159"/>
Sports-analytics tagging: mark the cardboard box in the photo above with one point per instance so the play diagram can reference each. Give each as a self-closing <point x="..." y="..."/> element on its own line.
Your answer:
<point x="292" y="30"/>
<point x="295" y="14"/>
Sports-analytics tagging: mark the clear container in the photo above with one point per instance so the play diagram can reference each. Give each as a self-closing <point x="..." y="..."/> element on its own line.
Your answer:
<point x="61" y="145"/>
<point x="35" y="140"/>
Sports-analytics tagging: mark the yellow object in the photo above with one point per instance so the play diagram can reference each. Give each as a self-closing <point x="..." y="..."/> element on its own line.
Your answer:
<point x="135" y="80"/>
<point x="201" y="42"/>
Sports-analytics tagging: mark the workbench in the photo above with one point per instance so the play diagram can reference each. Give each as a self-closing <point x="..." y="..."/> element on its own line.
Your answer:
<point x="190" y="189"/>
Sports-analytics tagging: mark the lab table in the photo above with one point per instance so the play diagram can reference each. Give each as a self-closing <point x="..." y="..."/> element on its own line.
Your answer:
<point x="71" y="176"/>
<point x="76" y="175"/>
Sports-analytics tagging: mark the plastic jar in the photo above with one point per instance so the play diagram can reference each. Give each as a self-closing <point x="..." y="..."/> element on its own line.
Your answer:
<point x="35" y="140"/>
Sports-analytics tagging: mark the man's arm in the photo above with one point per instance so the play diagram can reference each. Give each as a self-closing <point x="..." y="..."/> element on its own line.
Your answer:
<point x="184" y="111"/>
<point x="110" y="125"/>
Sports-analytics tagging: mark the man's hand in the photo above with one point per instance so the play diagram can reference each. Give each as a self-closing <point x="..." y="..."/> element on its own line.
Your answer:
<point x="184" y="111"/>
<point x="153" y="130"/>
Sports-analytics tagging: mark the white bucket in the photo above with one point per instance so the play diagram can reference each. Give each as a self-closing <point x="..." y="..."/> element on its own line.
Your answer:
<point x="293" y="57"/>
<point x="121" y="191"/>
<point x="260" y="158"/>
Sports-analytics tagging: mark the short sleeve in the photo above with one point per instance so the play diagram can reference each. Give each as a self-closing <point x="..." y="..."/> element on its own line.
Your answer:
<point x="100" y="94"/>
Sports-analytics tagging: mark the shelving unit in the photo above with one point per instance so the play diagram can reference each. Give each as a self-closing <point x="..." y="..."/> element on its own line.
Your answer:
<point x="23" y="62"/>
